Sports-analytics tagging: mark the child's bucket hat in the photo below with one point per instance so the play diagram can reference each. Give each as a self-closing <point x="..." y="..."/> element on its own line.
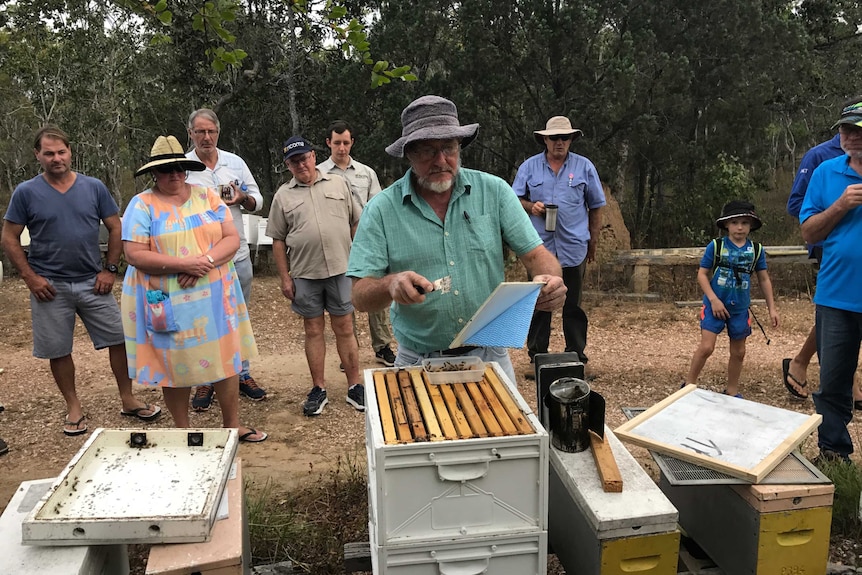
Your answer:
<point x="738" y="209"/>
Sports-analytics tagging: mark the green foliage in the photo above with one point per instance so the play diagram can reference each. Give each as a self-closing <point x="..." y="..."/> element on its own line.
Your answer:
<point x="846" y="521"/>
<point x="308" y="526"/>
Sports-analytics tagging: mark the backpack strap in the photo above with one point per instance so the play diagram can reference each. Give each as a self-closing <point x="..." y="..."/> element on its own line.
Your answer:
<point x="716" y="253"/>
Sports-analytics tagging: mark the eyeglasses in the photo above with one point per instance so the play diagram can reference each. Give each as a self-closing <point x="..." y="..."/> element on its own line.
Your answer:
<point x="169" y="169"/>
<point x="558" y="137"/>
<point x="205" y="132"/>
<point x="425" y="153"/>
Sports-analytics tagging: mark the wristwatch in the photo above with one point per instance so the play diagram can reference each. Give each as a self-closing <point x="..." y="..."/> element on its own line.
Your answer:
<point x="112" y="268"/>
<point x="210" y="258"/>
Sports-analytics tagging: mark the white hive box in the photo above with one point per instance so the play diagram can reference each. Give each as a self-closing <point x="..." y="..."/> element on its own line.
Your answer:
<point x="19" y="559"/>
<point x="452" y="462"/>
<point x="262" y="238"/>
<point x="251" y="225"/>
<point x="134" y="486"/>
<point x="514" y="554"/>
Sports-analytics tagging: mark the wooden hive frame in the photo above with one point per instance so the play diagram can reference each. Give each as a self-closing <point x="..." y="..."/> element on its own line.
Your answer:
<point x="412" y="409"/>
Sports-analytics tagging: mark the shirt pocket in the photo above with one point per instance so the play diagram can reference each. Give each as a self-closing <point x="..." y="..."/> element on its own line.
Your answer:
<point x="536" y="190"/>
<point x="481" y="234"/>
<point x="336" y="204"/>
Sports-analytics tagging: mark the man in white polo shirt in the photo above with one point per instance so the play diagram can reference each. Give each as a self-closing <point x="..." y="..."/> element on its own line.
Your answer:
<point x="226" y="169"/>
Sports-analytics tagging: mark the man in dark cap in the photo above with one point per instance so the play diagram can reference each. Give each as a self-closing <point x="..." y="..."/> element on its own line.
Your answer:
<point x="830" y="214"/>
<point x="442" y="221"/>
<point x="311" y="223"/>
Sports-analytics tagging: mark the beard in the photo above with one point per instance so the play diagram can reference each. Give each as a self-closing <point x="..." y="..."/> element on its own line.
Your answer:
<point x="439" y="187"/>
<point x="854" y="154"/>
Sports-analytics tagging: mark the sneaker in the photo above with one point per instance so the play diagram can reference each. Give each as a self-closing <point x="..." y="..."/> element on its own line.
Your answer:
<point x="315" y="402"/>
<point x="203" y="397"/>
<point x="356" y="395"/>
<point x="249" y="388"/>
<point x="341" y="367"/>
<point x="385" y="356"/>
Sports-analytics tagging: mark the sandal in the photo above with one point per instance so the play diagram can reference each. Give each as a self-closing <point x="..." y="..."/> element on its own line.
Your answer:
<point x="787" y="376"/>
<point x="76" y="424"/>
<point x="246" y="437"/>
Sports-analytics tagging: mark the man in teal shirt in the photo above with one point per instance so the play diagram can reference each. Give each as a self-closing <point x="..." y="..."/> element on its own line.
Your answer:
<point x="441" y="220"/>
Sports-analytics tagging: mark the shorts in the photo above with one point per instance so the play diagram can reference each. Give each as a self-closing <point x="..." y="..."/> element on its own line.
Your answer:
<point x="738" y="325"/>
<point x="332" y="294"/>
<point x="54" y="321"/>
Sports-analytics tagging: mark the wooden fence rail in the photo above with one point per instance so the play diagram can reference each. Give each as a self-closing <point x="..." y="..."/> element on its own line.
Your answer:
<point x="641" y="260"/>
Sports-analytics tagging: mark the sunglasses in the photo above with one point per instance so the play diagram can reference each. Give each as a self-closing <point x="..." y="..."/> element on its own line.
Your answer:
<point x="169" y="169"/>
<point x="558" y="137"/>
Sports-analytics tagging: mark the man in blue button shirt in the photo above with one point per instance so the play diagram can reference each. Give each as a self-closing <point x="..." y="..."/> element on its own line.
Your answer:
<point x="564" y="179"/>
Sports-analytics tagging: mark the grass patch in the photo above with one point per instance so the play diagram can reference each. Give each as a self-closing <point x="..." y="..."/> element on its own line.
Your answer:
<point x="845" y="504"/>
<point x="309" y="526"/>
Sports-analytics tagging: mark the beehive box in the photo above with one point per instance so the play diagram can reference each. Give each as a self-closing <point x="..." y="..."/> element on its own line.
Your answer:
<point x="452" y="461"/>
<point x="135" y="486"/>
<point x="513" y="554"/>
<point x="594" y="532"/>
<point x="758" y="529"/>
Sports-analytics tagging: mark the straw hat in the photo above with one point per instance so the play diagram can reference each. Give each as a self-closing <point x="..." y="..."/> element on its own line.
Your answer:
<point x="556" y="126"/>
<point x="167" y="150"/>
<point x="431" y="118"/>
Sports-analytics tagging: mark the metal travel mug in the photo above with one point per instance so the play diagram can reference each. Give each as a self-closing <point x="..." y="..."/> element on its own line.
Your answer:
<point x="550" y="217"/>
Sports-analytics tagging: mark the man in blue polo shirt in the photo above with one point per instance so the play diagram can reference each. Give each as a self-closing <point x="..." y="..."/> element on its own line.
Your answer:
<point x="558" y="177"/>
<point x="442" y="220"/>
<point x="831" y="214"/>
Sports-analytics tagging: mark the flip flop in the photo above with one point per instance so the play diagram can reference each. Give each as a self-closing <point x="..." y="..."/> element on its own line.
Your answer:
<point x="4" y="449"/>
<point x="74" y="432"/>
<point x="857" y="405"/>
<point x="246" y="437"/>
<point x="785" y="371"/>
<point x="156" y="412"/>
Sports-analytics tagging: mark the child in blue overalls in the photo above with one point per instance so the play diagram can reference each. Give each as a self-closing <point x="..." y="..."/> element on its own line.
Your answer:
<point x="724" y="276"/>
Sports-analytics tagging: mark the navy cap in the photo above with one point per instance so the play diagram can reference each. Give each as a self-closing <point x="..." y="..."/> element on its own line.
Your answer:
<point x="296" y="145"/>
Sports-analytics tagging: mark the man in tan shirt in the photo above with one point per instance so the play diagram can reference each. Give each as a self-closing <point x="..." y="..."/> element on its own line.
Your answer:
<point x="311" y="223"/>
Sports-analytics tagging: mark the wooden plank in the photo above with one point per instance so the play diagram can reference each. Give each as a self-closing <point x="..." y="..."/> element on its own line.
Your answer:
<point x="411" y="406"/>
<point x="686" y="256"/>
<point x="509" y="404"/>
<point x="440" y="409"/>
<point x="387" y="420"/>
<point x="432" y="425"/>
<point x="469" y="410"/>
<point x="484" y="408"/>
<point x="402" y="427"/>
<point x="357" y="556"/>
<point x="606" y="464"/>
<point x="509" y="428"/>
<point x="458" y="417"/>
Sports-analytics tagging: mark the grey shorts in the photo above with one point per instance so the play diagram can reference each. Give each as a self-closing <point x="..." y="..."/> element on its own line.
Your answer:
<point x="311" y="297"/>
<point x="54" y="321"/>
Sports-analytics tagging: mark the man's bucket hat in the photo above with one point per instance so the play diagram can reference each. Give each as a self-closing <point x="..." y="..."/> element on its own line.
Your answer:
<point x="738" y="209"/>
<point x="557" y="126"/>
<point x="168" y="150"/>
<point x="431" y="118"/>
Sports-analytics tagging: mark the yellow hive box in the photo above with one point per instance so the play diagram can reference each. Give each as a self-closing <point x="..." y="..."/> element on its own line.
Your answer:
<point x="758" y="529"/>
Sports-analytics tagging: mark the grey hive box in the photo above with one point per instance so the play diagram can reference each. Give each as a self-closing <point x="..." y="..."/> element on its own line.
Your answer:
<point x="597" y="533"/>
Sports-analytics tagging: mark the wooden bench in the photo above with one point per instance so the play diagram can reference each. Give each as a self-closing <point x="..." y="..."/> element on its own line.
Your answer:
<point x="641" y="260"/>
